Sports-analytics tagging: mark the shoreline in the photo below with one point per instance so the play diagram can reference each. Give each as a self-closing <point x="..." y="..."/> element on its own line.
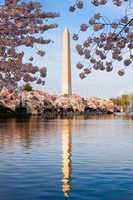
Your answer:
<point x="35" y="102"/>
<point x="54" y="115"/>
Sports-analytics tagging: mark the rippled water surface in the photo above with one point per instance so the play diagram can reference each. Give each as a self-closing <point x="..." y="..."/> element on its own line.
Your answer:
<point x="66" y="159"/>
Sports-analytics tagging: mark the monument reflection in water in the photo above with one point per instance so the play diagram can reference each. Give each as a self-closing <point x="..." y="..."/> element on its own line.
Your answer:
<point x="25" y="131"/>
<point x="66" y="156"/>
<point x="52" y="159"/>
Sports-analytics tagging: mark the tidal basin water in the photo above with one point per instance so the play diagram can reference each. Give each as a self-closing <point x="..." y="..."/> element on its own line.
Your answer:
<point x="75" y="159"/>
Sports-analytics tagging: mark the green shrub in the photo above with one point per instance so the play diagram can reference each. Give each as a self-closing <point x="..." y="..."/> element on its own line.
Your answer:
<point x="27" y="87"/>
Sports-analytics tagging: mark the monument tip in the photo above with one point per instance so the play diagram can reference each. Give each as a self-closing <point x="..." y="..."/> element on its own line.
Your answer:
<point x="66" y="30"/>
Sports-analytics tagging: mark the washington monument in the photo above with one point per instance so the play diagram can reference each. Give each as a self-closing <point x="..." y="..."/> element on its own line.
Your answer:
<point x="66" y="76"/>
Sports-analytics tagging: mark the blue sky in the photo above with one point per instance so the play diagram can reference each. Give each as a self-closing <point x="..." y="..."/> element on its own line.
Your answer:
<point x="98" y="83"/>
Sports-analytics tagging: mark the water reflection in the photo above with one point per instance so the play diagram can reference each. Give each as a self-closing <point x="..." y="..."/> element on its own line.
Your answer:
<point x="24" y="130"/>
<point x="31" y="166"/>
<point x="12" y="130"/>
<point x="66" y="156"/>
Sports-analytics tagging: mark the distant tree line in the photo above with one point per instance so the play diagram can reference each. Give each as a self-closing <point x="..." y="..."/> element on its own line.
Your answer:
<point x="123" y="101"/>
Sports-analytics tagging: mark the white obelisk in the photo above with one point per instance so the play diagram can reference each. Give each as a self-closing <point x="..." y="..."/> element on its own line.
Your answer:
<point x="66" y="76"/>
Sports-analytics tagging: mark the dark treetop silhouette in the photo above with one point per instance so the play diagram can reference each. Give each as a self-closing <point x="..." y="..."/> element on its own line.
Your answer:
<point x="107" y="41"/>
<point x="22" y="24"/>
